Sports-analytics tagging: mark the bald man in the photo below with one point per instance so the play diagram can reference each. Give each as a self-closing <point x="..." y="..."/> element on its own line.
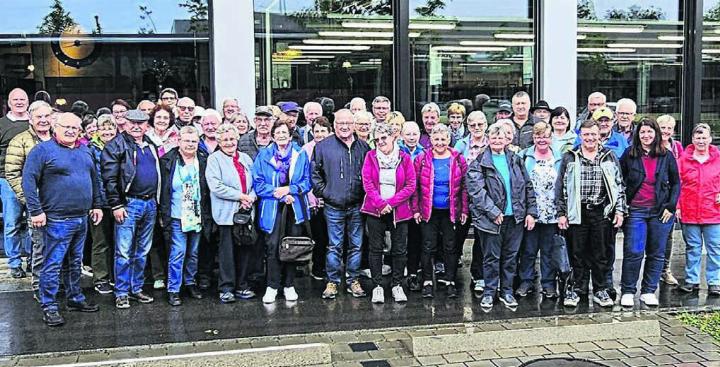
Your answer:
<point x="62" y="191"/>
<point x="16" y="235"/>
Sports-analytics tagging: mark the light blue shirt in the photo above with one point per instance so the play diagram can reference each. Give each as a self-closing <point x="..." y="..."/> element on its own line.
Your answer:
<point x="500" y="163"/>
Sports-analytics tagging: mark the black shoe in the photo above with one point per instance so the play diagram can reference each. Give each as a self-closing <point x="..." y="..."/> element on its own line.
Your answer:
<point x="52" y="318"/>
<point x="194" y="292"/>
<point x="612" y="293"/>
<point x="414" y="284"/>
<point x="550" y="293"/>
<point x="17" y="273"/>
<point x="83" y="306"/>
<point x="203" y="284"/>
<point x="451" y="291"/>
<point x="141" y="297"/>
<point x="317" y="275"/>
<point x="122" y="302"/>
<point x="427" y="291"/>
<point x="28" y="267"/>
<point x="227" y="297"/>
<point x="174" y="299"/>
<point x="689" y="287"/>
<point x="524" y="289"/>
<point x="103" y="287"/>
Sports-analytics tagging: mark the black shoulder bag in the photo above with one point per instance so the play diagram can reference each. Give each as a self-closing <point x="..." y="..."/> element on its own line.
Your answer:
<point x="295" y="249"/>
<point x="244" y="232"/>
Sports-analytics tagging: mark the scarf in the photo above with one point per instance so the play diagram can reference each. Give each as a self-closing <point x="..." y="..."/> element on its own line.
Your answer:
<point x="390" y="161"/>
<point x="190" y="205"/>
<point x="282" y="164"/>
<point x="241" y="172"/>
<point x="459" y="133"/>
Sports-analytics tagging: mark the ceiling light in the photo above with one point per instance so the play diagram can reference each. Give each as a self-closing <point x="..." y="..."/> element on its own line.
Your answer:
<point x="603" y="49"/>
<point x="632" y="29"/>
<point x="711" y="51"/>
<point x="389" y="25"/>
<point x="432" y="26"/>
<point x="329" y="47"/>
<point x="325" y="41"/>
<point x="366" y="25"/>
<point x="306" y="52"/>
<point x="644" y="45"/>
<point x="671" y="38"/>
<point x="515" y="36"/>
<point x="496" y="43"/>
<point x="488" y="64"/>
<point x="363" y="34"/>
<point x="464" y="48"/>
<point x="298" y="60"/>
<point x="581" y="36"/>
<point x="711" y="39"/>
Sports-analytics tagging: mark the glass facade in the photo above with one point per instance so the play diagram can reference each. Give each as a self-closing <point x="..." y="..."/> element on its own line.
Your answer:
<point x="711" y="64"/>
<point x="101" y="50"/>
<point x="631" y="49"/>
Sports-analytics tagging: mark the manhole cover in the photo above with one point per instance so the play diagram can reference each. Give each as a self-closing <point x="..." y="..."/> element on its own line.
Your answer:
<point x="562" y="362"/>
<point x="362" y="347"/>
<point x="379" y="363"/>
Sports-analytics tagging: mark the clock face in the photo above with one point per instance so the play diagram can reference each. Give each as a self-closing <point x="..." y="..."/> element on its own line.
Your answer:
<point x="75" y="50"/>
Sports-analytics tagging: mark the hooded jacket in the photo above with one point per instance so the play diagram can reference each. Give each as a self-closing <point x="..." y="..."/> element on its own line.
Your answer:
<point x="700" y="186"/>
<point x="405" y="183"/>
<point x="422" y="199"/>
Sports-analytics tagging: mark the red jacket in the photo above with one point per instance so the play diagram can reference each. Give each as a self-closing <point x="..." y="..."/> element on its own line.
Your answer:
<point x="422" y="199"/>
<point x="404" y="187"/>
<point x="700" y="184"/>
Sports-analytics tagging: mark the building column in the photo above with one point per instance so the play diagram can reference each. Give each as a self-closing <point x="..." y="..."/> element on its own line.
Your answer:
<point x="232" y="45"/>
<point x="557" y="50"/>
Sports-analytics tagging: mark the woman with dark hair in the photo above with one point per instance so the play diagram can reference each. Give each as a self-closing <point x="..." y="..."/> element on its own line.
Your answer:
<point x="652" y="186"/>
<point x="119" y="109"/>
<point x="165" y="138"/>
<point x="563" y="137"/>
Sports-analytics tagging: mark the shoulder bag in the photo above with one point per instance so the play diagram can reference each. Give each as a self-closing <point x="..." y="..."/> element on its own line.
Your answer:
<point x="295" y="249"/>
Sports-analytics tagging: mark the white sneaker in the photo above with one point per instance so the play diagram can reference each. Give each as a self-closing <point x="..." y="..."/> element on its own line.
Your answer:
<point x="270" y="295"/>
<point x="290" y="294"/>
<point x="399" y="294"/>
<point x="479" y="285"/>
<point x="386" y="270"/>
<point x="159" y="284"/>
<point x="363" y="273"/>
<point x="378" y="295"/>
<point x="649" y="299"/>
<point x="627" y="300"/>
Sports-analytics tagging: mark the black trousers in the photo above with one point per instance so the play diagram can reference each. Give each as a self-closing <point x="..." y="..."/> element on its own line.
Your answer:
<point x="376" y="237"/>
<point x="414" y="247"/>
<point x="320" y="235"/>
<point x="207" y="251"/>
<point x="159" y="252"/>
<point x="233" y="260"/>
<point x="439" y="223"/>
<point x="280" y="272"/>
<point x="588" y="246"/>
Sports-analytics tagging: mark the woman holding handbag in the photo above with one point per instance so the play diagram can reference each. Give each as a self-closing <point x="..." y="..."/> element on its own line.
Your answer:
<point x="230" y="181"/>
<point x="281" y="178"/>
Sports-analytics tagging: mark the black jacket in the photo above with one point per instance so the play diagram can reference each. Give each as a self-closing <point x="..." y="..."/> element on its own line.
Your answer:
<point x="337" y="171"/>
<point x="168" y="163"/>
<point x="117" y="163"/>
<point x="667" y="180"/>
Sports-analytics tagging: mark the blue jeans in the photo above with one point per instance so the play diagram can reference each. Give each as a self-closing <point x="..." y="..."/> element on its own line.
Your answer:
<point x="645" y="236"/>
<point x="183" y="250"/>
<point x="133" y="239"/>
<point x="539" y="239"/>
<point x="500" y="256"/>
<point x="695" y="235"/>
<point x="342" y="222"/>
<point x="16" y="235"/>
<point x="62" y="237"/>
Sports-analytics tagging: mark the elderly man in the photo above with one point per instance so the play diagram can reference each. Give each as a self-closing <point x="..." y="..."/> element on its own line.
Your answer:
<point x="210" y="122"/>
<point x="541" y="111"/>
<point x="131" y="171"/>
<point x="380" y="108"/>
<point x="357" y="104"/>
<point x="595" y="100"/>
<point x="169" y="97"/>
<point x="146" y="106"/>
<point x="17" y="152"/>
<point x="185" y="111"/>
<point x="61" y="187"/>
<point x="252" y="142"/>
<point x="15" y="232"/>
<point x="608" y="137"/>
<point x="290" y="111"/>
<point x="504" y="111"/>
<point x="523" y="122"/>
<point x="311" y="110"/>
<point x="230" y="106"/>
<point x="337" y="179"/>
<point x="625" y="112"/>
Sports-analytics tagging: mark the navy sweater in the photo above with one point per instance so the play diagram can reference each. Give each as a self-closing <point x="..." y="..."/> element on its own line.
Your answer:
<point x="59" y="181"/>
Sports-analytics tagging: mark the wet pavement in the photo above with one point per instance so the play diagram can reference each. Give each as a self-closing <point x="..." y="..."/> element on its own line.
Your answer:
<point x="207" y="319"/>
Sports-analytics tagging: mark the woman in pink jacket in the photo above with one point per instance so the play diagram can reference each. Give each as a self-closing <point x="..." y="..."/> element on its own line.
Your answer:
<point x="439" y="203"/>
<point x="699" y="209"/>
<point x="389" y="182"/>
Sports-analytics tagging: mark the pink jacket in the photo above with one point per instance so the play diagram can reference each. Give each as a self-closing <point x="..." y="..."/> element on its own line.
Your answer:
<point x="404" y="187"/>
<point x="422" y="199"/>
<point x="700" y="183"/>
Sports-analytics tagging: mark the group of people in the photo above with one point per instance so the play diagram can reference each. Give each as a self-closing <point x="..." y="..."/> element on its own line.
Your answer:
<point x="174" y="184"/>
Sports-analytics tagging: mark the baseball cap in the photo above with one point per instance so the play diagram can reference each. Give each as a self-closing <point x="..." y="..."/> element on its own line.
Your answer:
<point x="289" y="107"/>
<point x="602" y="112"/>
<point x="263" y="110"/>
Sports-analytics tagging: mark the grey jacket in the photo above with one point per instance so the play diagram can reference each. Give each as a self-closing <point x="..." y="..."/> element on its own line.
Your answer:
<point x="567" y="187"/>
<point x="248" y="144"/>
<point x="225" y="188"/>
<point x="486" y="191"/>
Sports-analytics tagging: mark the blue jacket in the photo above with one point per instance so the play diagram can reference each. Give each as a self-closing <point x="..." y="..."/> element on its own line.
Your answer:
<point x="265" y="181"/>
<point x="528" y="156"/>
<point x="616" y="143"/>
<point x="418" y="149"/>
<point x="97" y="153"/>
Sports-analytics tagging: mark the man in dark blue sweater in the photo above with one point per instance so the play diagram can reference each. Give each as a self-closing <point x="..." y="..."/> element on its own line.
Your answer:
<point x="61" y="187"/>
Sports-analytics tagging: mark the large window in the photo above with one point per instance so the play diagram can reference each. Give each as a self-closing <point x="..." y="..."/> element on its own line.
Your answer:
<point x="631" y="49"/>
<point x="711" y="64"/>
<point x="306" y="49"/>
<point x="100" y="50"/>
<point x="461" y="49"/>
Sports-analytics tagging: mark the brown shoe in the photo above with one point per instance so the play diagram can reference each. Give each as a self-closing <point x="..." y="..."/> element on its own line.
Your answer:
<point x="330" y="291"/>
<point x="356" y="289"/>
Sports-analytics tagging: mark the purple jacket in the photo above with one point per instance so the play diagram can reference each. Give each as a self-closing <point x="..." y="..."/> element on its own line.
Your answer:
<point x="422" y="199"/>
<point x="404" y="187"/>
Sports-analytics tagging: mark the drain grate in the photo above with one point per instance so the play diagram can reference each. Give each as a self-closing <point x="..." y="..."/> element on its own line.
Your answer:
<point x="363" y="347"/>
<point x="378" y="363"/>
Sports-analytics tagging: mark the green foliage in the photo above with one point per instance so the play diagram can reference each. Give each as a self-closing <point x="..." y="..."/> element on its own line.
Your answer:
<point x="349" y="7"/>
<point x="708" y="323"/>
<point x="636" y="12"/>
<point x="198" y="10"/>
<point x="146" y="17"/>
<point x="586" y="10"/>
<point x="713" y="15"/>
<point x="57" y="21"/>
<point x="429" y="9"/>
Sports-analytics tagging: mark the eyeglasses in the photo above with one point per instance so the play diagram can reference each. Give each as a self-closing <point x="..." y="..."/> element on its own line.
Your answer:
<point x="186" y="108"/>
<point x="69" y="127"/>
<point x="625" y="113"/>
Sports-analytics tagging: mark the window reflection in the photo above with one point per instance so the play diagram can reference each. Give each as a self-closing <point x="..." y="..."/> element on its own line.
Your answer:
<point x="711" y="65"/>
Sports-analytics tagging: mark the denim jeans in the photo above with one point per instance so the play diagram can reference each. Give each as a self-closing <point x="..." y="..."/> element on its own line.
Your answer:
<point x="183" y="259"/>
<point x="16" y="235"/>
<point x="539" y="239"/>
<point x="133" y="239"/>
<point x="63" y="237"/>
<point x="645" y="236"/>
<point x="695" y="235"/>
<point x="341" y="223"/>
<point x="500" y="256"/>
<point x="36" y="257"/>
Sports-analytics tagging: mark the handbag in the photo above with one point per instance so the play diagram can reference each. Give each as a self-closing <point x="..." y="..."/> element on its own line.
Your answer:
<point x="244" y="232"/>
<point x="295" y="248"/>
<point x="561" y="262"/>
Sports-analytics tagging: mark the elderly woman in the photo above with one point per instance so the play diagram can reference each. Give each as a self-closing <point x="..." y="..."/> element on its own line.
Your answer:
<point x="389" y="182"/>
<point x="241" y="123"/>
<point x="396" y="120"/>
<point x="699" y="209"/>
<point x="230" y="182"/>
<point x="161" y="135"/>
<point x="667" y="129"/>
<point x="357" y="104"/>
<point x="430" y="117"/>
<point x="439" y="204"/>
<point x="210" y="122"/>
<point x="281" y="177"/>
<point x="320" y="130"/>
<point x="456" y="120"/>
<point x="542" y="164"/>
<point x="503" y="205"/>
<point x="184" y="211"/>
<point x="652" y="188"/>
<point x="363" y="125"/>
<point x="475" y="142"/>
<point x="563" y="137"/>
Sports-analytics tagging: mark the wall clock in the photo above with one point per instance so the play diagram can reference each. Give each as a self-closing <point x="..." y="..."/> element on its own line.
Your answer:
<point x="76" y="50"/>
